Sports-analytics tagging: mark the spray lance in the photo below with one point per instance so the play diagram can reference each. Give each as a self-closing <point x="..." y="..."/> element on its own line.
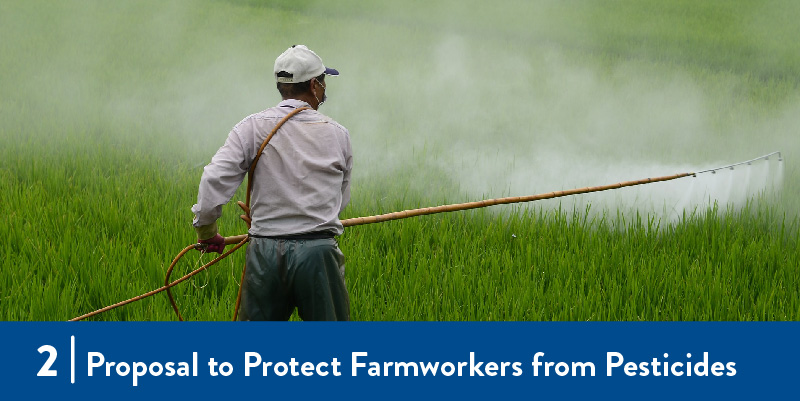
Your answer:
<point x="239" y="240"/>
<point x="520" y="199"/>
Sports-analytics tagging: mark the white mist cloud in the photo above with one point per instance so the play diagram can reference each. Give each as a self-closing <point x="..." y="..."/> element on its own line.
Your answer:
<point x="475" y="101"/>
<point x="502" y="116"/>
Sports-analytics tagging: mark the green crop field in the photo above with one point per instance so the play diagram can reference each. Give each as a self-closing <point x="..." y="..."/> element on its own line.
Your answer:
<point x="110" y="110"/>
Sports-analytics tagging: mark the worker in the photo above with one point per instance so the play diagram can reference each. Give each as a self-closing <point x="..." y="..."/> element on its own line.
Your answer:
<point x="301" y="184"/>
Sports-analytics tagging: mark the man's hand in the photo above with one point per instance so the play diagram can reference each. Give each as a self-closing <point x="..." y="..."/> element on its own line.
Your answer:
<point x="214" y="244"/>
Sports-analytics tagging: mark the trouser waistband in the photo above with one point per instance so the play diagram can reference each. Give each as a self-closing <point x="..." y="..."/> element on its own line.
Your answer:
<point x="303" y="236"/>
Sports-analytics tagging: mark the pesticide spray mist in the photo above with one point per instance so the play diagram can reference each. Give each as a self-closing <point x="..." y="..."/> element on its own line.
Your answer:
<point x="445" y="101"/>
<point x="513" y="113"/>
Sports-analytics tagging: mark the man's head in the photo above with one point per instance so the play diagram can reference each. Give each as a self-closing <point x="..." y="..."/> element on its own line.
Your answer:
<point x="300" y="74"/>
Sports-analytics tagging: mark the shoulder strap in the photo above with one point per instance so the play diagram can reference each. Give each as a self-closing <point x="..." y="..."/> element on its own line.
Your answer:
<point x="246" y="206"/>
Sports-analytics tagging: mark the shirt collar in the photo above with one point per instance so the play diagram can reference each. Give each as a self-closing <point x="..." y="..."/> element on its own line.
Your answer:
<point x="293" y="103"/>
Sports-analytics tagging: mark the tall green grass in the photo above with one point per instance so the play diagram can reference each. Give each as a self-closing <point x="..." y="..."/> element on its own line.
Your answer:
<point x="109" y="111"/>
<point x="715" y="265"/>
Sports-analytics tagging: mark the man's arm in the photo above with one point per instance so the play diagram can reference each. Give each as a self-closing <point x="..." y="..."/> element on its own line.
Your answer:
<point x="346" y="179"/>
<point x="219" y="182"/>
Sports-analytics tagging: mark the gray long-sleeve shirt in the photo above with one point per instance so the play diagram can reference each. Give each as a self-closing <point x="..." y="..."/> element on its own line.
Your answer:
<point x="302" y="181"/>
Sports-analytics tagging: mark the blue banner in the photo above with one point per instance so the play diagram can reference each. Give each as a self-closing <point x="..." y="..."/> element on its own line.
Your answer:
<point x="390" y="360"/>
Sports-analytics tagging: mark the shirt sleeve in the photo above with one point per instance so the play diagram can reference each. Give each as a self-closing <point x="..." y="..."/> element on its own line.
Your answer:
<point x="219" y="182"/>
<point x="348" y="152"/>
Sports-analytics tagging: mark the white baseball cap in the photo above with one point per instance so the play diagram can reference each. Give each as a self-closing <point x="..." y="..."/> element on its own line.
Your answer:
<point x="301" y="64"/>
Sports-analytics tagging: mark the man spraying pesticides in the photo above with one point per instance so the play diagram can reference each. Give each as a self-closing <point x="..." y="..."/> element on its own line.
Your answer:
<point x="300" y="182"/>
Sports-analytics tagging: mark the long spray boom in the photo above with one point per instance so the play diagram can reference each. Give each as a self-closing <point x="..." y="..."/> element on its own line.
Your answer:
<point x="519" y="199"/>
<point x="747" y="162"/>
<point x="240" y="240"/>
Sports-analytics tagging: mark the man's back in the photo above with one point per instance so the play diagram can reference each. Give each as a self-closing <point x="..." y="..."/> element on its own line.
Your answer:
<point x="302" y="181"/>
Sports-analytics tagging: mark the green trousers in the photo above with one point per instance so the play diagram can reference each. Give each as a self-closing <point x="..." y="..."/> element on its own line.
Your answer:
<point x="283" y="274"/>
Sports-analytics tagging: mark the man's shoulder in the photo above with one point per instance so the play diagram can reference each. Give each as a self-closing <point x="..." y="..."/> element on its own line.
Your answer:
<point x="336" y="124"/>
<point x="271" y="113"/>
<point x="268" y="114"/>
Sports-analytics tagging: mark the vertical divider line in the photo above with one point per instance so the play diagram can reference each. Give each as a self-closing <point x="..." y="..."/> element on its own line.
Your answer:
<point x="72" y="360"/>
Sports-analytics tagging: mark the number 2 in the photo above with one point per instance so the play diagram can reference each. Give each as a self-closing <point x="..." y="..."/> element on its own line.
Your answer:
<point x="45" y="370"/>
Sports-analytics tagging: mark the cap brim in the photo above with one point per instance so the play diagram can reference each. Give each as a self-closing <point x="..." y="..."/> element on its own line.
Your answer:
<point x="331" y="71"/>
